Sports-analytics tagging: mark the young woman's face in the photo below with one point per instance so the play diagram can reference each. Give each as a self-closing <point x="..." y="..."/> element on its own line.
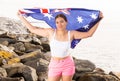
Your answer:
<point x="61" y="23"/>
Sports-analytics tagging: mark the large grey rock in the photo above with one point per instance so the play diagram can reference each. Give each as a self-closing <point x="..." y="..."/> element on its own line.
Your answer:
<point x="3" y="72"/>
<point x="12" y="26"/>
<point x="11" y="79"/>
<point x="84" y="65"/>
<point x="20" y="70"/>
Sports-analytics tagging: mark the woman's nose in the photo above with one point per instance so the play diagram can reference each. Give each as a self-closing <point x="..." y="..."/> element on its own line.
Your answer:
<point x="59" y="24"/>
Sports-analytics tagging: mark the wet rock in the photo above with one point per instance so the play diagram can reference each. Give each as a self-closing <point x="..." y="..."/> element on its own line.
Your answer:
<point x="20" y="70"/>
<point x="115" y="74"/>
<point x="11" y="79"/>
<point x="41" y="67"/>
<point x="32" y="47"/>
<point x="19" y="48"/>
<point x="3" y="72"/>
<point x="31" y="56"/>
<point x="84" y="65"/>
<point x="8" y="40"/>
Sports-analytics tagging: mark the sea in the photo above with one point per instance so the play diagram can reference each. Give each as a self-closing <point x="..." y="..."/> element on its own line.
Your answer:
<point x="103" y="48"/>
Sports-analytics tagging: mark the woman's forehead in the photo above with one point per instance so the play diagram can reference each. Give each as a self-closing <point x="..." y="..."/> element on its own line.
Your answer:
<point x="60" y="19"/>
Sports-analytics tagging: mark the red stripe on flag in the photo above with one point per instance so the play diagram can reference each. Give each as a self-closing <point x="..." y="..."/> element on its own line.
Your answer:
<point x="44" y="10"/>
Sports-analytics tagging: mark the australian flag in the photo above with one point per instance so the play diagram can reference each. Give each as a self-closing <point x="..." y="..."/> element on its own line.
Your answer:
<point x="79" y="19"/>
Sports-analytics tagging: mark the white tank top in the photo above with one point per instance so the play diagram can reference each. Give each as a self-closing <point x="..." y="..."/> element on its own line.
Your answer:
<point x="60" y="48"/>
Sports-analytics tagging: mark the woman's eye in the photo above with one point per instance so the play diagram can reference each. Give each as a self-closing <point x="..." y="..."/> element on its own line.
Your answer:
<point x="56" y="22"/>
<point x="61" y="21"/>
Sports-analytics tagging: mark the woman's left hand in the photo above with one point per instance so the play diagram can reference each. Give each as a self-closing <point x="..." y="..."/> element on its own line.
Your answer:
<point x="101" y="15"/>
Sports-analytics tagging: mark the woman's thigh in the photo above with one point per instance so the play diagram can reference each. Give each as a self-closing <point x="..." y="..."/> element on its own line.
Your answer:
<point x="54" y="78"/>
<point x="67" y="78"/>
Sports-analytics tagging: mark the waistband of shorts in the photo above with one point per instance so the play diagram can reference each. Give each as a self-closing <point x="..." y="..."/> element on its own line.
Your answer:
<point x="60" y="59"/>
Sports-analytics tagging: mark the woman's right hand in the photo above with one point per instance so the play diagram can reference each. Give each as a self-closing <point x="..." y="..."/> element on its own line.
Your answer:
<point x="19" y="14"/>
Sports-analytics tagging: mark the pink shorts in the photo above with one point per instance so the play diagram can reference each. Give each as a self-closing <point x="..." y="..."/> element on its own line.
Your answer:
<point x="61" y="67"/>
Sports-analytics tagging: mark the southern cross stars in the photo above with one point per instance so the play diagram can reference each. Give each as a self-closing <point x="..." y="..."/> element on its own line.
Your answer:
<point x="48" y="15"/>
<point x="93" y="16"/>
<point x="86" y="27"/>
<point x="79" y="19"/>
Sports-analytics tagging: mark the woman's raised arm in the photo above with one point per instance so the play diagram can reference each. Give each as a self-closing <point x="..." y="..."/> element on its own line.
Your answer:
<point x="37" y="30"/>
<point x="81" y="35"/>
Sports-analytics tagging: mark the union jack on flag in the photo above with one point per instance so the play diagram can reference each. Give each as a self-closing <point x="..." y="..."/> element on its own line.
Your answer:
<point x="79" y="19"/>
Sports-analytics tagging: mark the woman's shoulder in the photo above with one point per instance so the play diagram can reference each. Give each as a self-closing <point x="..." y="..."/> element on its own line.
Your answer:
<point x="50" y="33"/>
<point x="50" y="30"/>
<point x="72" y="31"/>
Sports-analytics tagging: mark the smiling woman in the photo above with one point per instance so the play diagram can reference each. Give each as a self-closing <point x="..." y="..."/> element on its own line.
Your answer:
<point x="61" y="65"/>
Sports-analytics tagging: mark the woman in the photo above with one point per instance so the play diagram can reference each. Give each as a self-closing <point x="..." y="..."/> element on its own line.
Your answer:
<point x="61" y="65"/>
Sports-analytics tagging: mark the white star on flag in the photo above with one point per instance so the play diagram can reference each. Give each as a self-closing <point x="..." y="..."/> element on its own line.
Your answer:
<point x="79" y="19"/>
<point x="48" y="15"/>
<point x="86" y="26"/>
<point x="93" y="16"/>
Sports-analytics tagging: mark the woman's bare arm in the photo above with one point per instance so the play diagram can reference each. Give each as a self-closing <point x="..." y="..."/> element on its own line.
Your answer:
<point x="81" y="35"/>
<point x="37" y="30"/>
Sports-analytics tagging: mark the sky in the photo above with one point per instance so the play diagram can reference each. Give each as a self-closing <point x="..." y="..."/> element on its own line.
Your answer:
<point x="109" y="8"/>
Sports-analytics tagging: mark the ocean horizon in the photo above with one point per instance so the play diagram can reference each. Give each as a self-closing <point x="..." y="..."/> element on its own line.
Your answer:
<point x="103" y="48"/>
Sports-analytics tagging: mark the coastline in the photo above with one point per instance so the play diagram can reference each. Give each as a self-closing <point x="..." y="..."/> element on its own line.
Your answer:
<point x="102" y="48"/>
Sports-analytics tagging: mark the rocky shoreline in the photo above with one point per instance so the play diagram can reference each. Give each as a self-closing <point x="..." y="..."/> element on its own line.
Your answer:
<point x="25" y="57"/>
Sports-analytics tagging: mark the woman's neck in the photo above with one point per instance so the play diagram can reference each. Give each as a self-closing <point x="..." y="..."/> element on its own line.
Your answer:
<point x="61" y="35"/>
<point x="61" y="32"/>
